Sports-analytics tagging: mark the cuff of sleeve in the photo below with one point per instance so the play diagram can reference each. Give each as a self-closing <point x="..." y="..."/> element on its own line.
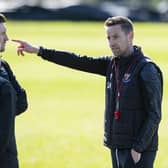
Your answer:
<point x="40" y="51"/>
<point x="137" y="148"/>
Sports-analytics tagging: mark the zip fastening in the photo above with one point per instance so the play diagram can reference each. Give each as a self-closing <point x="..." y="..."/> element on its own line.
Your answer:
<point x="117" y="158"/>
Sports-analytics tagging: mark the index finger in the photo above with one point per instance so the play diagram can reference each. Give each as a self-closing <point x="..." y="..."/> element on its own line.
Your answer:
<point x="18" y="41"/>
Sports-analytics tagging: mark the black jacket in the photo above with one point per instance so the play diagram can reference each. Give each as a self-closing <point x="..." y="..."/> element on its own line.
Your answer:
<point x="21" y="101"/>
<point x="13" y="101"/>
<point x="140" y="103"/>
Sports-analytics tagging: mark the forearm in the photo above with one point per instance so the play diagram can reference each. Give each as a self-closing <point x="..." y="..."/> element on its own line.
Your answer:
<point x="71" y="60"/>
<point x="145" y="136"/>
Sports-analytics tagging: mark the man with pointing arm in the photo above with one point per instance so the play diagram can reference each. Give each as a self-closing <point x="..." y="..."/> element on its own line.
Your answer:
<point x="133" y="93"/>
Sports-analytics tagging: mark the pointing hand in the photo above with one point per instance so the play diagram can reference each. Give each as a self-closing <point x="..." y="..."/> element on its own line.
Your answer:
<point x="25" y="47"/>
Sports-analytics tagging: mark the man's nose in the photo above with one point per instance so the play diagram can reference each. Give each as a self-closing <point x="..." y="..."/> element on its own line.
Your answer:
<point x="6" y="38"/>
<point x="112" y="43"/>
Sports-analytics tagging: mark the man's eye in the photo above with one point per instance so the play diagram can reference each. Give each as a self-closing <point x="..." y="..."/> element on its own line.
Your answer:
<point x="115" y="37"/>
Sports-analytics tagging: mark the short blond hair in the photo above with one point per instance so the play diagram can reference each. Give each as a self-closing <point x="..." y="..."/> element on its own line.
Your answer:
<point x="126" y="23"/>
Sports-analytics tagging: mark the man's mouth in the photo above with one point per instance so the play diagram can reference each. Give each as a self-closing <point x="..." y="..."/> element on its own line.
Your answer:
<point x="115" y="49"/>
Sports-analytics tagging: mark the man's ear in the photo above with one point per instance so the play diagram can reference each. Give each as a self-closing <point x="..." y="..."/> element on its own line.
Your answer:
<point x="130" y="36"/>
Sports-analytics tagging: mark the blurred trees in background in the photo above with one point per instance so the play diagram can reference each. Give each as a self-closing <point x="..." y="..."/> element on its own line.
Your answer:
<point x="140" y="10"/>
<point x="132" y="3"/>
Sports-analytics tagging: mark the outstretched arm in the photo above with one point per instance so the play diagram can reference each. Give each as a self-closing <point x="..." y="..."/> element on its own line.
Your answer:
<point x="84" y="63"/>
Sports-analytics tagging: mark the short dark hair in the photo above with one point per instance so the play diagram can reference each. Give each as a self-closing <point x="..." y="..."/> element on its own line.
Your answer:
<point x="126" y="23"/>
<point x="2" y="18"/>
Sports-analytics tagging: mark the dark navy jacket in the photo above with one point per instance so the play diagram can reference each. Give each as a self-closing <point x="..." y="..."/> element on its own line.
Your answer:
<point x="13" y="102"/>
<point x="140" y="103"/>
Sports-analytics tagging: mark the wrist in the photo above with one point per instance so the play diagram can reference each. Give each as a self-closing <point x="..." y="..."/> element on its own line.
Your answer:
<point x="35" y="50"/>
<point x="134" y="150"/>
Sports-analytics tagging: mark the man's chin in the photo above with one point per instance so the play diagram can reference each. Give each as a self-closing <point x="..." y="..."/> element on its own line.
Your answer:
<point x="2" y="50"/>
<point x="116" y="54"/>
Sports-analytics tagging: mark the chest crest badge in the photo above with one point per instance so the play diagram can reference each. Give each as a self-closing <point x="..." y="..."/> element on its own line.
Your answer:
<point x="126" y="77"/>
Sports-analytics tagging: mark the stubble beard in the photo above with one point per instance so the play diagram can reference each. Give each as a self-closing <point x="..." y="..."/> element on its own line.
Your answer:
<point x="117" y="52"/>
<point x="2" y="48"/>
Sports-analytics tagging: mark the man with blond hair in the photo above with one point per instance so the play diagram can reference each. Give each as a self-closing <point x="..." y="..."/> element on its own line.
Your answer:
<point x="133" y="93"/>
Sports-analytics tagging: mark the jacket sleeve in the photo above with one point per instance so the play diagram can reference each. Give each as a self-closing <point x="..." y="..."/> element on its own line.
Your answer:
<point x="71" y="60"/>
<point x="7" y="115"/>
<point x="151" y="87"/>
<point x="21" y="102"/>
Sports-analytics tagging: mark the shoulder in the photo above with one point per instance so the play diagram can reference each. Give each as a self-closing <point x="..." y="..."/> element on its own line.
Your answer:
<point x="5" y="63"/>
<point x="103" y="59"/>
<point x="149" y="67"/>
<point x="4" y="85"/>
<point x="7" y="68"/>
<point x="150" y="71"/>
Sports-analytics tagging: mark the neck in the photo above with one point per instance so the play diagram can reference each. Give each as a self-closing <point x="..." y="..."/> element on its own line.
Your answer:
<point x="129" y="52"/>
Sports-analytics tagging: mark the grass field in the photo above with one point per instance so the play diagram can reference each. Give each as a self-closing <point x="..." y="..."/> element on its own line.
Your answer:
<point x="63" y="126"/>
